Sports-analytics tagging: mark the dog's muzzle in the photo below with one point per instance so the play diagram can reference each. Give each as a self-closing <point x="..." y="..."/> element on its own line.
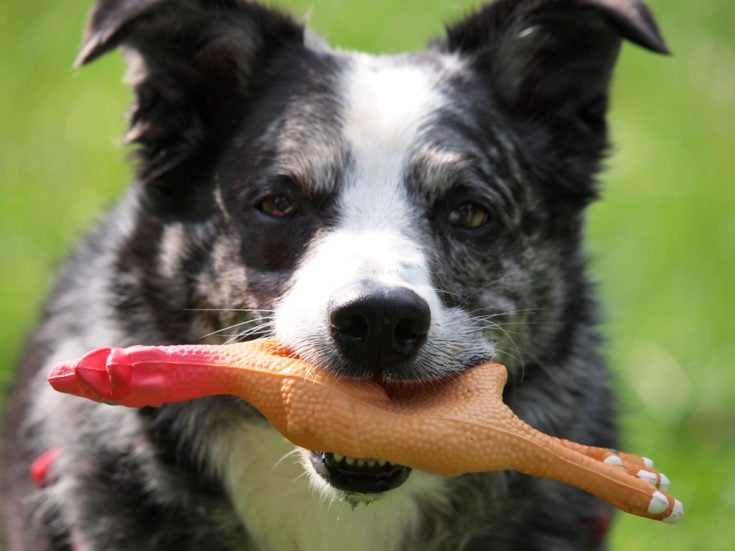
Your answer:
<point x="378" y="330"/>
<point x="358" y="476"/>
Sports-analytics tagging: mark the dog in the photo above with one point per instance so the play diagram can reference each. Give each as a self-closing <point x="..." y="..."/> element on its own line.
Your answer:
<point x="399" y="217"/>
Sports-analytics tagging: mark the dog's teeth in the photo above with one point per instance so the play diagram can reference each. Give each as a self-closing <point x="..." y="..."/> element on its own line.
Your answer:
<point x="359" y="462"/>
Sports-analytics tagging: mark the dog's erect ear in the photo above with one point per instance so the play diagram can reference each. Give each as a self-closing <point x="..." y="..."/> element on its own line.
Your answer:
<point x="190" y="63"/>
<point x="549" y="63"/>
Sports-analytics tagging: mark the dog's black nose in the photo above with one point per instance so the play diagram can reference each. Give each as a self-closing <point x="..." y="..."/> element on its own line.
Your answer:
<point x="378" y="328"/>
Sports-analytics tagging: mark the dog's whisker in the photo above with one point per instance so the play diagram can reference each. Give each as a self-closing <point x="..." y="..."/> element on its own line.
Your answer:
<point x="482" y="288"/>
<point x="489" y="325"/>
<point x="230" y="328"/>
<point x="245" y="310"/>
<point x="517" y="357"/>
<point x="489" y="312"/>
<point x="259" y="331"/>
<point x="303" y="474"/>
<point x="253" y="327"/>
<point x="447" y="292"/>
<point x="286" y="456"/>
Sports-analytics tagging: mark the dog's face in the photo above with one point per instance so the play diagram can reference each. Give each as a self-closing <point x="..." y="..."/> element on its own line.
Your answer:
<point x="397" y="217"/>
<point x="380" y="213"/>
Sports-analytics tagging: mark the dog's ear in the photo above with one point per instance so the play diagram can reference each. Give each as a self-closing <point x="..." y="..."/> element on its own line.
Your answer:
<point x="549" y="63"/>
<point x="190" y="62"/>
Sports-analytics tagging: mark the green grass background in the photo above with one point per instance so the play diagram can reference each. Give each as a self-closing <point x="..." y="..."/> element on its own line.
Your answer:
<point x="661" y="242"/>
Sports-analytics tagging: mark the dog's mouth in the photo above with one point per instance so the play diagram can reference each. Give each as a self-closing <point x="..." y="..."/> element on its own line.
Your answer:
<point x="358" y="476"/>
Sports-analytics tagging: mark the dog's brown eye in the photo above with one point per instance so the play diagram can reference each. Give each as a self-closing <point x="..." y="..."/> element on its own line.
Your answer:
<point x="277" y="206"/>
<point x="469" y="216"/>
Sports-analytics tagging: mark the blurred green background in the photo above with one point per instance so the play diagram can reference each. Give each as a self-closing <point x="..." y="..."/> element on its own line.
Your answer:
<point x="661" y="242"/>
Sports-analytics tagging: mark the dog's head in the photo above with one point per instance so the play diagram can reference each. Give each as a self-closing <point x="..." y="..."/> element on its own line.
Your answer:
<point x="391" y="217"/>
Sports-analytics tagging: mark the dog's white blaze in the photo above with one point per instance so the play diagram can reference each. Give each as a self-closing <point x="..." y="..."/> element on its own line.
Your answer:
<point x="282" y="510"/>
<point x="385" y="106"/>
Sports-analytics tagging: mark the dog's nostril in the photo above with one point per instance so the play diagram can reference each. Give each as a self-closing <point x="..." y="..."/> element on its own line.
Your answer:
<point x="350" y="327"/>
<point x="410" y="332"/>
<point x="377" y="328"/>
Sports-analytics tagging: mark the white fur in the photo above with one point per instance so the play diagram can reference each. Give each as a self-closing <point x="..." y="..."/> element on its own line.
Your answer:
<point x="385" y="105"/>
<point x="282" y="509"/>
<point x="173" y="242"/>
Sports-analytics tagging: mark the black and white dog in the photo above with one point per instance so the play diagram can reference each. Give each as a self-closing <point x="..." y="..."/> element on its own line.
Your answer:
<point x="393" y="217"/>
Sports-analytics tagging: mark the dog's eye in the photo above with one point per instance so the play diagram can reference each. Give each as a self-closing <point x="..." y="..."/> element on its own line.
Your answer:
<point x="469" y="216"/>
<point x="277" y="206"/>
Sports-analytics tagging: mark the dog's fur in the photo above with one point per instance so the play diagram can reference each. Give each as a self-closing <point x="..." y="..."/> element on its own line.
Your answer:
<point x="280" y="180"/>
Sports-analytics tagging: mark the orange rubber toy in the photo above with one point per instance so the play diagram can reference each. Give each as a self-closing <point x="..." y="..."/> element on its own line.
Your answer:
<point x="448" y="427"/>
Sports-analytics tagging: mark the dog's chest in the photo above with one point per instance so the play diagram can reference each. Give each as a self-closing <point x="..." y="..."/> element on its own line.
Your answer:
<point x="283" y="509"/>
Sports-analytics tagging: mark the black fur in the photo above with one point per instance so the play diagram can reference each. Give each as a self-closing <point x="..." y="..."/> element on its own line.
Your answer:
<point x="234" y="104"/>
